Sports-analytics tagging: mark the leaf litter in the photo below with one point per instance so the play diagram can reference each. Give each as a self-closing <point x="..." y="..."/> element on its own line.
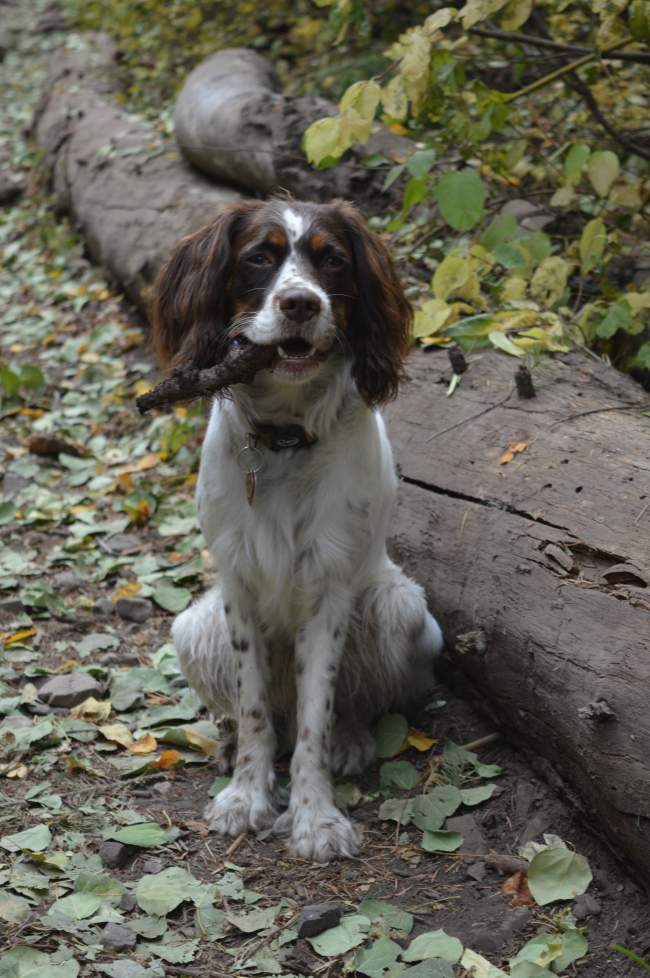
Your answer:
<point x="104" y="511"/>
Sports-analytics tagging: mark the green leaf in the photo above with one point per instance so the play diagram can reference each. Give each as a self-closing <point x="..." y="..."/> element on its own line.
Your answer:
<point x="434" y="944"/>
<point x="574" y="946"/>
<point x="393" y="917"/>
<point x="170" y="597"/>
<point x="420" y="163"/>
<point x="382" y="954"/>
<point x="575" y="161"/>
<point x="460" y="197"/>
<point x="487" y="770"/>
<point x="510" y="256"/>
<point x="430" y="811"/>
<point x="392" y="176"/>
<point x="474" y="796"/>
<point x="104" y="886"/>
<point x="25" y="962"/>
<point x="390" y="734"/>
<point x="502" y="228"/>
<point x="7" y="513"/>
<point x="143" y="834"/>
<point x="592" y="244"/>
<point x="398" y="774"/>
<point x="77" y="905"/>
<point x="502" y="342"/>
<point x="31" y="376"/>
<point x="9" y="380"/>
<point x="218" y="785"/>
<point x="415" y="191"/>
<point x="602" y="170"/>
<point x="431" y="968"/>
<point x="322" y="139"/>
<point x="36" y="839"/>
<point x="160" y="893"/>
<point x="351" y="932"/>
<point x="558" y="874"/>
<point x="619" y="316"/>
<point x="442" y="841"/>
<point x="397" y="810"/>
<point x="538" y="245"/>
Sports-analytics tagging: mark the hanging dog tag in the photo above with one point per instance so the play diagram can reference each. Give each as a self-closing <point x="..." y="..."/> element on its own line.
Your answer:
<point x="250" y="461"/>
<point x="250" y="486"/>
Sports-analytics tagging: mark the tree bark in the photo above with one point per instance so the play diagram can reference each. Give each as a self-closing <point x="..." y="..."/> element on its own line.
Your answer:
<point x="131" y="199"/>
<point x="537" y="569"/>
<point x="232" y="121"/>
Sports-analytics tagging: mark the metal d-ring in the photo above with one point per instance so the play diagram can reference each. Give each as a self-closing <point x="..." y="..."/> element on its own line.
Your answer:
<point x="250" y="448"/>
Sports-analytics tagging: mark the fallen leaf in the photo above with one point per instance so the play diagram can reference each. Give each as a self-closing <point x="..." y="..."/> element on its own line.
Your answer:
<point x="510" y="453"/>
<point x="19" y="636"/>
<point x="117" y="732"/>
<point x="518" y="885"/>
<point x="169" y="760"/>
<point x="420" y="740"/>
<point x="146" y="745"/>
<point x="17" y="772"/>
<point x="195" y="826"/>
<point x="128" y="590"/>
<point x="91" y="711"/>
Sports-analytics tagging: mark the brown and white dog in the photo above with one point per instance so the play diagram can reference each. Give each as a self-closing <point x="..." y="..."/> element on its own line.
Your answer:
<point x="310" y="627"/>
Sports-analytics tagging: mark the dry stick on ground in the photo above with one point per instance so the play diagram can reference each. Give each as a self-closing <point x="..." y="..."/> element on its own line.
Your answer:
<point x="239" y="366"/>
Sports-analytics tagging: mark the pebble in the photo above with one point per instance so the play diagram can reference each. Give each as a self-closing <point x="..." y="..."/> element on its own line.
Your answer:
<point x="477" y="871"/>
<point x="153" y="867"/>
<point x="119" y="659"/>
<point x="585" y="905"/>
<point x="474" y="842"/>
<point x="118" y="938"/>
<point x="134" y="609"/>
<point x="70" y="690"/>
<point x="66" y="581"/>
<point x="11" y="606"/>
<point x="317" y="918"/>
<point x="104" y="606"/>
<point x="113" y="854"/>
<point x="125" y="541"/>
<point x="127" y="903"/>
<point x="18" y="721"/>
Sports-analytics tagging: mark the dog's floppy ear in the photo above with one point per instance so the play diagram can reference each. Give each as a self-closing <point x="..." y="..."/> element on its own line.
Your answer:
<point x="191" y="314"/>
<point x="380" y="330"/>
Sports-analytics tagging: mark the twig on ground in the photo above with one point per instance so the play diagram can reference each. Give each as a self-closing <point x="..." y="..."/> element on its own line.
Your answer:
<point x="239" y="366"/>
<point x="482" y="742"/>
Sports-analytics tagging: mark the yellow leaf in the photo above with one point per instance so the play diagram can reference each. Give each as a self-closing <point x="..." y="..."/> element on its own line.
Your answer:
<point x="128" y="590"/>
<point x="637" y="301"/>
<point x="609" y="32"/>
<point x="542" y="338"/>
<point x="420" y="740"/>
<point x="515" y="13"/>
<point x="353" y="127"/>
<point x="477" y="10"/>
<point x="169" y="760"/>
<point x="146" y="745"/>
<point x="363" y="97"/>
<point x="626" y="195"/>
<point x="510" y="453"/>
<point x="430" y="318"/>
<point x="117" y="732"/>
<point x="563" y="196"/>
<point x="141" y="387"/>
<point x="451" y="274"/>
<point x="91" y="710"/>
<point x="399" y="131"/>
<point x="191" y="479"/>
<point x="592" y="243"/>
<point x="480" y="260"/>
<point x="602" y="170"/>
<point x="471" y="289"/>
<point x="394" y="101"/>
<point x="549" y="281"/>
<point x="513" y="289"/>
<point x="414" y="68"/>
<point x="19" y="636"/>
<point x="440" y="19"/>
<point x="206" y="744"/>
<point x="503" y="342"/>
<point x="147" y="462"/>
<point x="17" y="772"/>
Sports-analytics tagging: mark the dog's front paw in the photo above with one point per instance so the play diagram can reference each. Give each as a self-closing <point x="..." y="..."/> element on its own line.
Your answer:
<point x="240" y="809"/>
<point x="353" y="748"/>
<point x="319" y="834"/>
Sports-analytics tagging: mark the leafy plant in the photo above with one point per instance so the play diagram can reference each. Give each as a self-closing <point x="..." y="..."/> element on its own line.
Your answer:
<point x="631" y="954"/>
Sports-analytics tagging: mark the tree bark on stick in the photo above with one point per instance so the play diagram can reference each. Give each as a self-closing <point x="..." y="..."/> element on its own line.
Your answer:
<point x="537" y="569"/>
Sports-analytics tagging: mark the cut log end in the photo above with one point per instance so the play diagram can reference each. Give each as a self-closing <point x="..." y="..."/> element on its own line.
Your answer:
<point x="188" y="382"/>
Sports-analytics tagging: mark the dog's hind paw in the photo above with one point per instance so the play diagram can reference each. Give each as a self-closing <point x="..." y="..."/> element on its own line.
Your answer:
<point x="237" y="809"/>
<point x="353" y="748"/>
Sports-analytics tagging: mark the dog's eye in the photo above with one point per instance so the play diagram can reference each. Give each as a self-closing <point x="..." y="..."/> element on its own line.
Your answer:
<point x="332" y="262"/>
<point x="259" y="260"/>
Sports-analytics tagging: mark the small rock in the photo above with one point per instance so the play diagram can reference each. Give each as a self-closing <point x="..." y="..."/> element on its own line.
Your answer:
<point x="113" y="854"/>
<point x="119" y="659"/>
<point x="103" y="606"/>
<point x="16" y="722"/>
<point x="11" y="606"/>
<point x="118" y="938"/>
<point x="473" y="838"/>
<point x="127" y="903"/>
<point x="585" y="905"/>
<point x="317" y="918"/>
<point x="125" y="541"/>
<point x="520" y="208"/>
<point x="153" y="867"/>
<point x="40" y="709"/>
<point x="65" y="582"/>
<point x="70" y="690"/>
<point x="533" y="829"/>
<point x="477" y="871"/>
<point x="134" y="609"/>
<point x="162" y="787"/>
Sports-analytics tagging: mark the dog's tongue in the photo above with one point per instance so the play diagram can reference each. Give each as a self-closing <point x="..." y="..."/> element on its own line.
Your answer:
<point x="296" y="347"/>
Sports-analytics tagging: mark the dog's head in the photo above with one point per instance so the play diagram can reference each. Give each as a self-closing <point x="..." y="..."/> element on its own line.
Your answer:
<point x="310" y="279"/>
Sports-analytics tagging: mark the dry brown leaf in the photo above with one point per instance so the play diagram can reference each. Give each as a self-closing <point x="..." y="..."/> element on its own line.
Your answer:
<point x="513" y="450"/>
<point x="169" y="760"/>
<point x="91" y="711"/>
<point x="119" y="733"/>
<point x="518" y="885"/>
<point x="146" y="745"/>
<point x="195" y="826"/>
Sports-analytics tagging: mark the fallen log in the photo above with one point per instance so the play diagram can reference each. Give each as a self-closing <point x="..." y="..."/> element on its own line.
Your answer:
<point x="232" y="121"/>
<point x="131" y="195"/>
<point x="535" y="561"/>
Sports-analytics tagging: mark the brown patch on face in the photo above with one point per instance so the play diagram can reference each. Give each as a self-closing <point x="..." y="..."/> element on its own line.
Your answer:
<point x="277" y="239"/>
<point x="318" y="242"/>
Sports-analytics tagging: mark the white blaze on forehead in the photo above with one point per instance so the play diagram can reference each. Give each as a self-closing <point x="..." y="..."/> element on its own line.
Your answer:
<point x="295" y="225"/>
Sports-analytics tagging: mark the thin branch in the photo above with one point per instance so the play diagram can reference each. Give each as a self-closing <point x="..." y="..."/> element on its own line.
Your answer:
<point x="187" y="383"/>
<point x="584" y="92"/>
<point x="637" y="57"/>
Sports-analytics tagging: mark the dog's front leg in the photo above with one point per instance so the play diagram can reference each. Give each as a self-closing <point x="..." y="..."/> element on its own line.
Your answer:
<point x="319" y="831"/>
<point x="248" y="801"/>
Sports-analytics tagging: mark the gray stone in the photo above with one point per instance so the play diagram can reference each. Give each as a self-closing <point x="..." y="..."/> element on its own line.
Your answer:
<point x="40" y="709"/>
<point x="534" y="829"/>
<point x="118" y="938"/>
<point x="525" y="793"/>
<point x="520" y="208"/>
<point x="11" y="606"/>
<point x="104" y="606"/>
<point x="17" y="721"/>
<point x="585" y="905"/>
<point x="473" y="842"/>
<point x="134" y="609"/>
<point x="477" y="871"/>
<point x="127" y="903"/>
<point x="113" y="854"/>
<point x="153" y="867"/>
<point x="317" y="918"/>
<point x="119" y="659"/>
<point x="70" y="690"/>
<point x="162" y="787"/>
<point x="125" y="541"/>
<point x="65" y="582"/>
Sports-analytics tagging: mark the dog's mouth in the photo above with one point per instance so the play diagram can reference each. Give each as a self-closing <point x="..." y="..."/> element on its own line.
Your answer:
<point x="296" y="355"/>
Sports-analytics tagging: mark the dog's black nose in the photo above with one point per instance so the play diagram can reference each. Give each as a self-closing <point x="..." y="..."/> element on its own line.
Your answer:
<point x="300" y="305"/>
